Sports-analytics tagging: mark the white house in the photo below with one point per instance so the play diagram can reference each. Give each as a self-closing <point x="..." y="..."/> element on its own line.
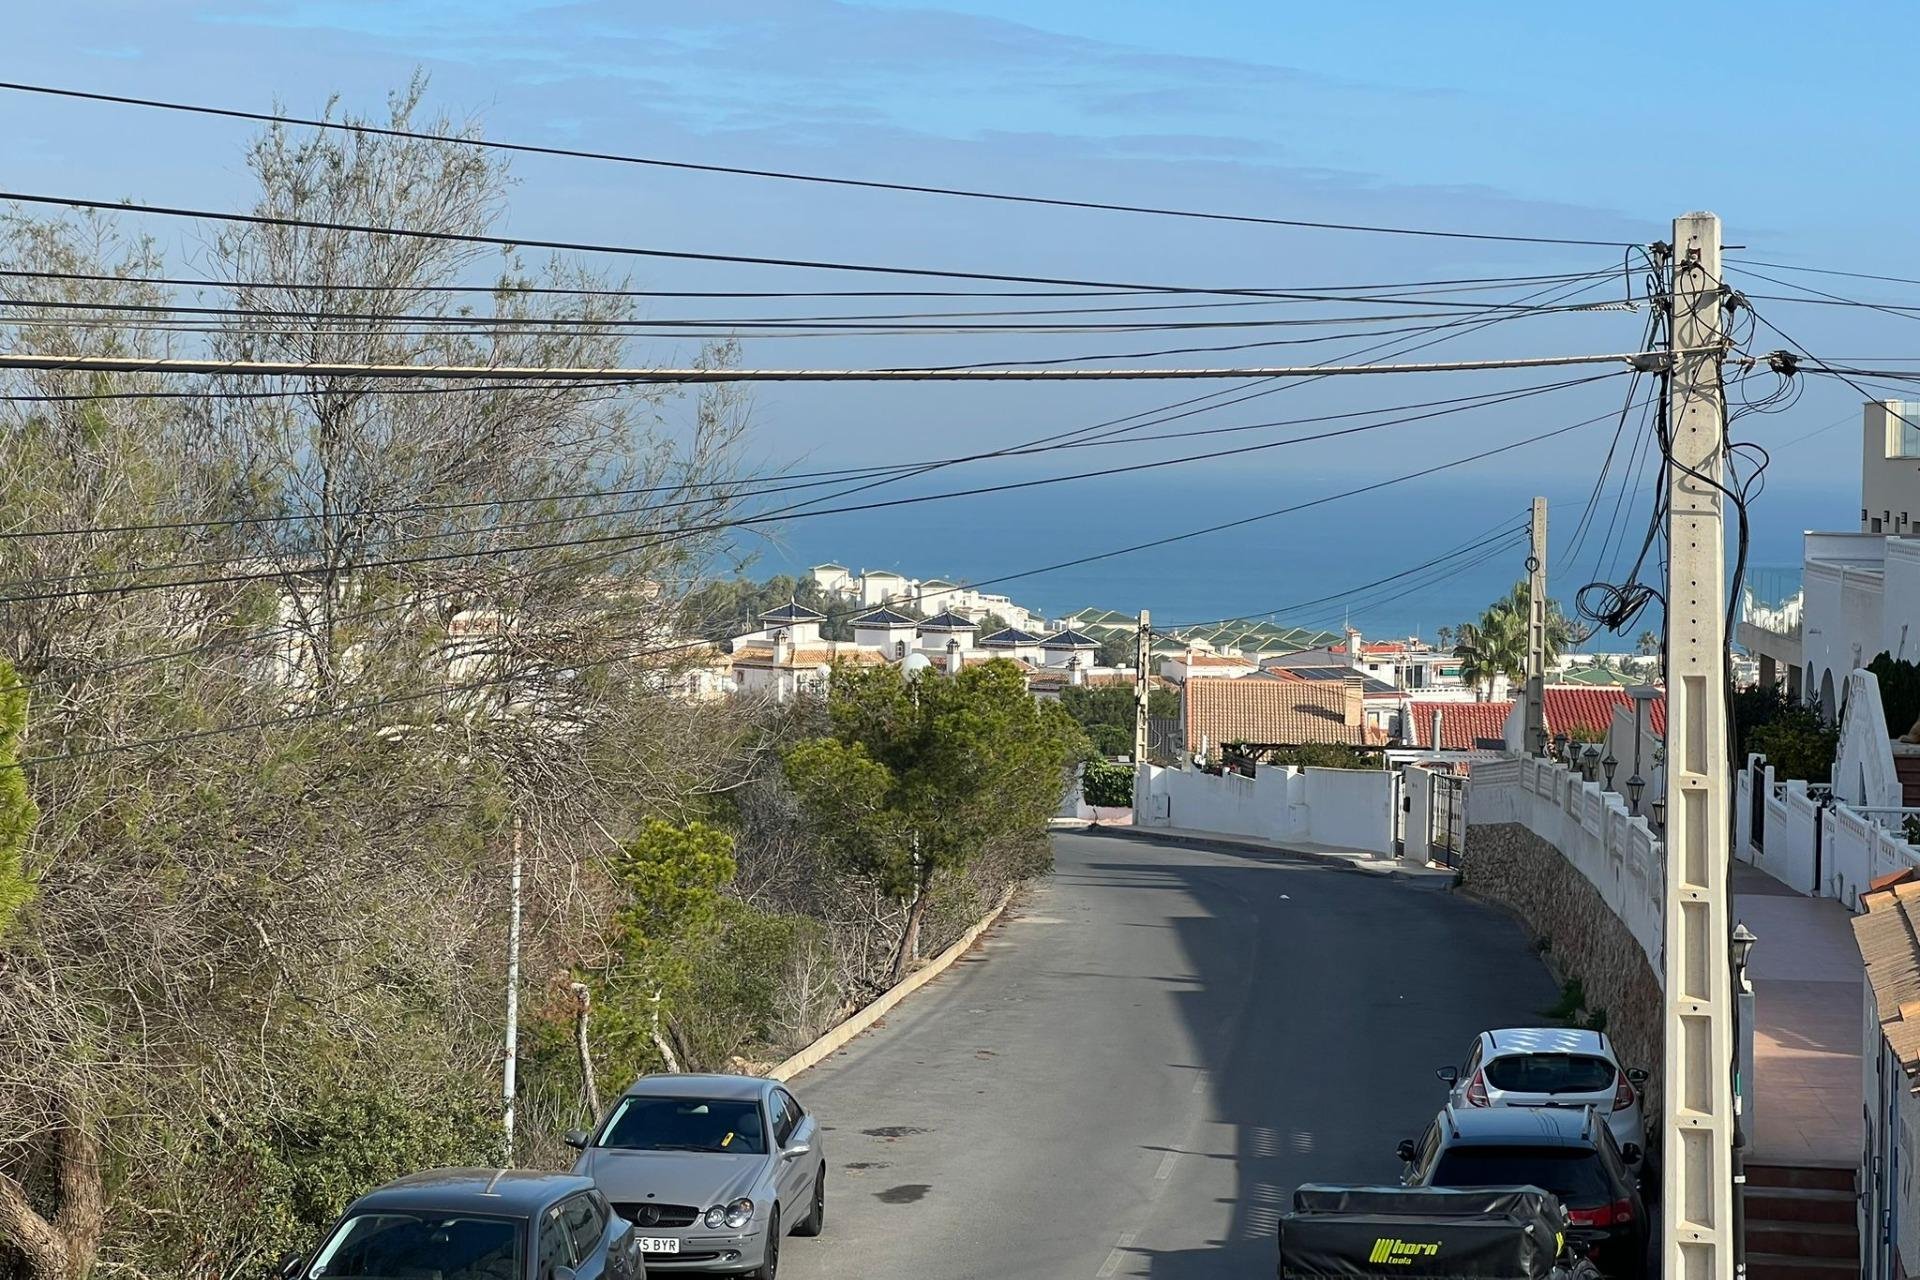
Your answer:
<point x="1069" y="646"/>
<point x="1014" y="643"/>
<point x="834" y="579"/>
<point x="1199" y="660"/>
<point x="1860" y="591"/>
<point x="889" y="631"/>
<point x="946" y="630"/>
<point x="882" y="586"/>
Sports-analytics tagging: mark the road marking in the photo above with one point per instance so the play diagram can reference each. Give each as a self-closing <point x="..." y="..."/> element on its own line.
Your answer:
<point x="1117" y="1254"/>
<point x="1166" y="1166"/>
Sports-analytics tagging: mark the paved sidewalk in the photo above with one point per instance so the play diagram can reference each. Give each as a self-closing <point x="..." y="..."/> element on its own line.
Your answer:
<point x="1808" y="1002"/>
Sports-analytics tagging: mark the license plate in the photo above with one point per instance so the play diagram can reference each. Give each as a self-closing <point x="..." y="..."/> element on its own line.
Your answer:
<point x="659" y="1244"/>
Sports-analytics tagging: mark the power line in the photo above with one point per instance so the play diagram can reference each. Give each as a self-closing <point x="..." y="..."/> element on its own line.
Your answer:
<point x="1478" y="400"/>
<point x="1277" y="294"/>
<point x="69" y="592"/>
<point x="578" y="246"/>
<point x="555" y="373"/>
<point x="790" y="176"/>
<point x="584" y="664"/>
<point x="1505" y="532"/>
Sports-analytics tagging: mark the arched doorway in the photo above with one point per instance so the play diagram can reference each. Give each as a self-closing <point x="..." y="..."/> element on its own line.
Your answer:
<point x="1826" y="696"/>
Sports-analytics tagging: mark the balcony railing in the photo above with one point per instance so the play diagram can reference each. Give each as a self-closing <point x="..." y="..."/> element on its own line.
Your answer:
<point x="1781" y="619"/>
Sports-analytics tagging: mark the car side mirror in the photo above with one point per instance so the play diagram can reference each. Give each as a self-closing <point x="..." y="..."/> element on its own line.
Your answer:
<point x="1630" y="1153"/>
<point x="1636" y="1076"/>
<point x="1406" y="1150"/>
<point x="577" y="1139"/>
<point x="287" y="1268"/>
<point x="1450" y="1074"/>
<point x="798" y="1149"/>
<point x="562" y="1273"/>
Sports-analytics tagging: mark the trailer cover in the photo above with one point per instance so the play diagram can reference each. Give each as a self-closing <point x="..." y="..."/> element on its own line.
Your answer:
<point x="1488" y="1233"/>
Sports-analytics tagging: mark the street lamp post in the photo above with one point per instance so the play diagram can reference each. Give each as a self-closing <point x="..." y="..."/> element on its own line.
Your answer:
<point x="1740" y="949"/>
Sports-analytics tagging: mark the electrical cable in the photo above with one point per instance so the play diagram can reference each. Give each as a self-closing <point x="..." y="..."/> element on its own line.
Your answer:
<point x="783" y="175"/>
<point x="69" y="591"/>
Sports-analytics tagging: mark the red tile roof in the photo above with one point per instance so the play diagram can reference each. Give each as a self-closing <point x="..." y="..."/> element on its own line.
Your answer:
<point x="1568" y="707"/>
<point x="1462" y="724"/>
<point x="1272" y="712"/>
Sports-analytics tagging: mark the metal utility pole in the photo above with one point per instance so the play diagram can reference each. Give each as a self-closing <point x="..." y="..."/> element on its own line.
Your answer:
<point x="1143" y="652"/>
<point x="1535" y="735"/>
<point x="1698" y="1121"/>
<point x="513" y="985"/>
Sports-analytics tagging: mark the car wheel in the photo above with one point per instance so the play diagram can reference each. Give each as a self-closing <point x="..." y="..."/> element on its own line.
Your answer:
<point x="770" y="1259"/>
<point x="816" y="1220"/>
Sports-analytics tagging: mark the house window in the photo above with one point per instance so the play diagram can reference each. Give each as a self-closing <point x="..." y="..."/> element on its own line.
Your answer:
<point x="1905" y="433"/>
<point x="1875" y="527"/>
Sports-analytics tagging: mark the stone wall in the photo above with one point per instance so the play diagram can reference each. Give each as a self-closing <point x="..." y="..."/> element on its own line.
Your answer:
<point x="1508" y="864"/>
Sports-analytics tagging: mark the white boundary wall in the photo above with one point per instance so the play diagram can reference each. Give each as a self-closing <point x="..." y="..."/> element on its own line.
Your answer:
<point x="1342" y="808"/>
<point x="1826" y="850"/>
<point x="1590" y="826"/>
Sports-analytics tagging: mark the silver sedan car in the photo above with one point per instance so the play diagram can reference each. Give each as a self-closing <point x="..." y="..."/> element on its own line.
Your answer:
<point x="714" y="1171"/>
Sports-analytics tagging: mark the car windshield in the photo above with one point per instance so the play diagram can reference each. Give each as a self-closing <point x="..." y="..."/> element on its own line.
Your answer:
<point x="642" y="1123"/>
<point x="1572" y="1173"/>
<point x="1550" y="1073"/>
<point x="417" y="1245"/>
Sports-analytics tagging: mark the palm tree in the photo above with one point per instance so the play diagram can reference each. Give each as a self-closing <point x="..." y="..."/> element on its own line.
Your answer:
<point x="1494" y="646"/>
<point x="1445" y="637"/>
<point x="1648" y="643"/>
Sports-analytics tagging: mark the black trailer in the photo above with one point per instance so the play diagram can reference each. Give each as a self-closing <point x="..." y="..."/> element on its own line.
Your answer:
<point x="1492" y="1233"/>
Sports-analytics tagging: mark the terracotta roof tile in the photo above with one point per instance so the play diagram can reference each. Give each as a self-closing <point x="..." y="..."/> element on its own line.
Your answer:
<point x="1272" y="712"/>
<point x="1463" y="725"/>
<point x="1888" y="935"/>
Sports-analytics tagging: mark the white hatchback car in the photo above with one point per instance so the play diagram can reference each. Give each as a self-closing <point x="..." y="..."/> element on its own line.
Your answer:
<point x="1551" y="1067"/>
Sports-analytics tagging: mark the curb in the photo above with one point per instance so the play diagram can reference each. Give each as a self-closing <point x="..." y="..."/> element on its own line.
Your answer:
<point x="1424" y="878"/>
<point x="836" y="1039"/>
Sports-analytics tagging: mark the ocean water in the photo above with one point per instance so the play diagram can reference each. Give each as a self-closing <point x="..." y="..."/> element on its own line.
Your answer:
<point x="1296" y="565"/>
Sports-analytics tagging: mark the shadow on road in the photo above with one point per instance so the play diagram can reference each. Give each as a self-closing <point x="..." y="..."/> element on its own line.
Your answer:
<point x="1320" y="1017"/>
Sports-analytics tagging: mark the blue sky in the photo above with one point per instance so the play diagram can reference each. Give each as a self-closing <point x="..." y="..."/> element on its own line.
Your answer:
<point x="1551" y="119"/>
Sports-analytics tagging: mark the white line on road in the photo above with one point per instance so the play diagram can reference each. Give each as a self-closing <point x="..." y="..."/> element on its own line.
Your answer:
<point x="1166" y="1166"/>
<point x="1117" y="1254"/>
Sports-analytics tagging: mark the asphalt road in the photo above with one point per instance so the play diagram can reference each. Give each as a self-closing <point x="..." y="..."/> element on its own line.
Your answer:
<point x="1131" y="1073"/>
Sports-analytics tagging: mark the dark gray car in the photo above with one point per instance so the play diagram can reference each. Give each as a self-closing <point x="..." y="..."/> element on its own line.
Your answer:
<point x="477" y="1224"/>
<point x="714" y="1171"/>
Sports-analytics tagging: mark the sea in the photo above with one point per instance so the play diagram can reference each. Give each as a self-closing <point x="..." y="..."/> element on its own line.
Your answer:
<point x="1132" y="542"/>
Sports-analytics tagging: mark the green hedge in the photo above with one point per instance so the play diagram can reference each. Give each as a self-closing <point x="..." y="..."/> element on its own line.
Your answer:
<point x="1107" y="786"/>
<point x="1899" y="692"/>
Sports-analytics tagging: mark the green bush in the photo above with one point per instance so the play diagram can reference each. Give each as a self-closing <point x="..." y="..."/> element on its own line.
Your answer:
<point x="1107" y="786"/>
<point x="1797" y="745"/>
<point x="1324" y="755"/>
<point x="1899" y="692"/>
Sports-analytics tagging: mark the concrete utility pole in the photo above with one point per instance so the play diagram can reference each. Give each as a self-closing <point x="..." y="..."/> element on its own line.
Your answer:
<point x="1698" y="1121"/>
<point x="1143" y="652"/>
<point x="1535" y="736"/>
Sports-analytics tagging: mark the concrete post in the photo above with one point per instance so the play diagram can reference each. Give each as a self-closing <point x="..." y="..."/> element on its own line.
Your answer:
<point x="1698" y="1202"/>
<point x="1143" y="652"/>
<point x="1533" y="737"/>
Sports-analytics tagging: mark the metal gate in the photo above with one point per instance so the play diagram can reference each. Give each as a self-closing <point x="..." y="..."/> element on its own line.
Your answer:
<point x="1446" y="818"/>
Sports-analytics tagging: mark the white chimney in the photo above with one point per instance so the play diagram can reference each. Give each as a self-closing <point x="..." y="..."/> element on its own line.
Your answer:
<point x="1353" y="643"/>
<point x="1436" y="729"/>
<point x="782" y="651"/>
<point x="953" y="657"/>
<point x="1074" y="674"/>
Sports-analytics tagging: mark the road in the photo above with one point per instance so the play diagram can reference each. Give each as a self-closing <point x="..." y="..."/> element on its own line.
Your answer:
<point x="1132" y="1072"/>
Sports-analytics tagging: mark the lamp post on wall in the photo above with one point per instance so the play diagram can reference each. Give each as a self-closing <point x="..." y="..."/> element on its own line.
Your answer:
<point x="1641" y="695"/>
<point x="1739" y="951"/>
<point x="1590" y="761"/>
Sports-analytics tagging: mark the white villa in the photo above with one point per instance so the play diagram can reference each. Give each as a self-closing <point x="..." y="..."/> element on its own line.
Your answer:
<point x="882" y="588"/>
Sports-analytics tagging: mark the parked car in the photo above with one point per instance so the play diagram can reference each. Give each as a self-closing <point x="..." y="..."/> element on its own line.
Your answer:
<point x="476" y="1224"/>
<point x="1551" y="1067"/>
<point x="1569" y="1152"/>
<point x="713" y="1170"/>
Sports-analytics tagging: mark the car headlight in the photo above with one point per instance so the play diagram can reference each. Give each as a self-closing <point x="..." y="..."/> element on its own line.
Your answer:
<point x="740" y="1213"/>
<point x="716" y="1218"/>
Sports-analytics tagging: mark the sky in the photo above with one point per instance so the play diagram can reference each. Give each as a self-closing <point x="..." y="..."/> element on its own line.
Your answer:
<point x="1587" y="122"/>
